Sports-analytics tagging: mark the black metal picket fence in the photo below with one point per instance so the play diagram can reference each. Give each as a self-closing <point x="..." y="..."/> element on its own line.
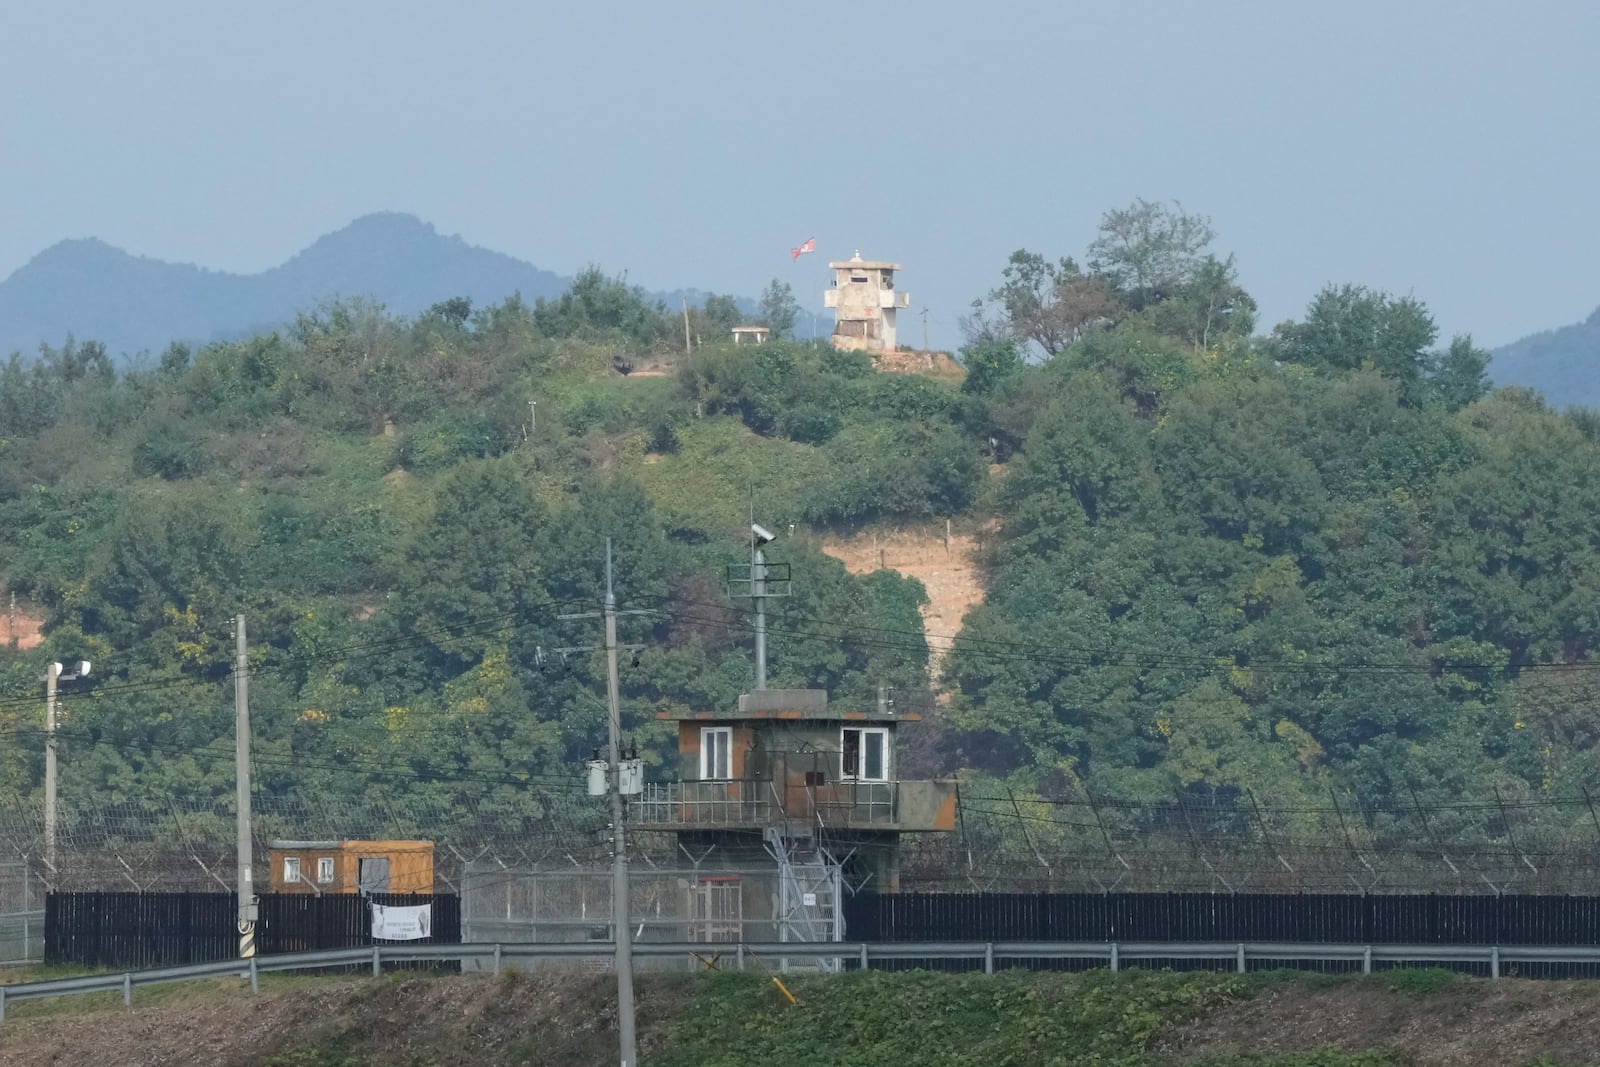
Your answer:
<point x="1352" y="919"/>
<point x="136" y="930"/>
<point x="1414" y="919"/>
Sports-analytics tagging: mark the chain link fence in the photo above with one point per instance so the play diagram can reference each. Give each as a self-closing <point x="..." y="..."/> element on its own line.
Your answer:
<point x="21" y="915"/>
<point x="716" y="906"/>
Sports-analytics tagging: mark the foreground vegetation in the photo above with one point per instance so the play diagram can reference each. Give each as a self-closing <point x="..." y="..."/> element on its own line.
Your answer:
<point x="1132" y="1019"/>
<point x="1323" y="559"/>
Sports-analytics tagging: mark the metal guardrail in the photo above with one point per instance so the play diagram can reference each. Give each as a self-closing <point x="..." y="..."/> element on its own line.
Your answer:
<point x="1112" y="953"/>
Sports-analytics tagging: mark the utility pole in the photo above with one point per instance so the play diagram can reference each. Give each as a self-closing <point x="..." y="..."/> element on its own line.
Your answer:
<point x="53" y="675"/>
<point x="621" y="911"/>
<point x="688" y="346"/>
<point x="533" y="415"/>
<point x="244" y="882"/>
<point x="925" y="348"/>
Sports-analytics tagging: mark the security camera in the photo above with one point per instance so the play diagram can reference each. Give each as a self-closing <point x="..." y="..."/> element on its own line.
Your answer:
<point x="763" y="535"/>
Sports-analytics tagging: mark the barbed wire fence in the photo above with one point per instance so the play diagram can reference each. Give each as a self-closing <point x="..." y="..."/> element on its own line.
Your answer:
<point x="171" y="845"/>
<point x="1239" y="842"/>
<point x="1004" y="842"/>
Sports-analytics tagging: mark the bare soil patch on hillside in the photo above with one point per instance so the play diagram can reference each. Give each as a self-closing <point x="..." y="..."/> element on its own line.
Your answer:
<point x="1473" y="1023"/>
<point x="940" y="366"/>
<point x="29" y="631"/>
<point x="946" y="567"/>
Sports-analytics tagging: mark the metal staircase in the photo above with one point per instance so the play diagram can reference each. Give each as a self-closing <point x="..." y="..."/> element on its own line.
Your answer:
<point x="810" y="888"/>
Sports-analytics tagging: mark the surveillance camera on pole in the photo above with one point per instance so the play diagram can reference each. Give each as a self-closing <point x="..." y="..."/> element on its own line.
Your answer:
<point x="61" y="673"/>
<point x="758" y="581"/>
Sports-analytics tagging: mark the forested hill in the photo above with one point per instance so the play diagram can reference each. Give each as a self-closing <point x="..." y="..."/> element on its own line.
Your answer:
<point x="132" y="304"/>
<point x="1322" y="559"/>
<point x="1562" y="364"/>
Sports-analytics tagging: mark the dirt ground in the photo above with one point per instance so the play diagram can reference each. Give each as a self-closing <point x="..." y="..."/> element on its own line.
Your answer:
<point x="1469" y="1024"/>
<point x="28" y="633"/>
<point x="458" y="1021"/>
<point x="937" y="365"/>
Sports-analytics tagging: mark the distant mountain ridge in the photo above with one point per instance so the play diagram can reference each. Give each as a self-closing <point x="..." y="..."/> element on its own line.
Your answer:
<point x="134" y="304"/>
<point x="1563" y="364"/>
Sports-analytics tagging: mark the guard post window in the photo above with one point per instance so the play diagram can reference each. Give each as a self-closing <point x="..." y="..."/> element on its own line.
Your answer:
<point x="324" y="869"/>
<point x="716" y="753"/>
<point x="864" y="754"/>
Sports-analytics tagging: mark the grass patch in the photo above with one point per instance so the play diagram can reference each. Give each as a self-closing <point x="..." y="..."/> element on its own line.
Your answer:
<point x="1418" y="981"/>
<point x="197" y="991"/>
<point x="706" y="483"/>
<point x="939" y="1020"/>
<point x="1327" y="1057"/>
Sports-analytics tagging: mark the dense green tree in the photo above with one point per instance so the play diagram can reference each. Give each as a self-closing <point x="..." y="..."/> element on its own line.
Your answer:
<point x="721" y="314"/>
<point x="987" y="362"/>
<point x="1051" y="304"/>
<point x="598" y="306"/>
<point x="779" y="309"/>
<point x="1349" y="326"/>
<point x="1149" y="251"/>
<point x="1459" y="375"/>
<point x="1209" y="308"/>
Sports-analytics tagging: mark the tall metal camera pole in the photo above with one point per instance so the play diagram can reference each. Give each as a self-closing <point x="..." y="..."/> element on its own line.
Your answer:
<point x="759" y="581"/>
<point x="758" y="593"/>
<point x="244" y="883"/>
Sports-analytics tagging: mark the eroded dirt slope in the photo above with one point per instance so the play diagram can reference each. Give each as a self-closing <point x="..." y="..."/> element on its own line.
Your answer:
<point x="462" y="1021"/>
<point x="944" y="565"/>
<point x="1467" y="1024"/>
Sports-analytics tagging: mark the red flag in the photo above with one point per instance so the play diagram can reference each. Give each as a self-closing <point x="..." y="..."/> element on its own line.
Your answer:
<point x="809" y="246"/>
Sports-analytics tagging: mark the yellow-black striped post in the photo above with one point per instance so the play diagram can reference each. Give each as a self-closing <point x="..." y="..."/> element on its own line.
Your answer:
<point x="247" y="940"/>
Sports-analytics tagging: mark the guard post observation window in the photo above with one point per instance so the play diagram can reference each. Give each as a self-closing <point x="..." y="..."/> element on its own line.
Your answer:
<point x="864" y="754"/>
<point x="716" y="753"/>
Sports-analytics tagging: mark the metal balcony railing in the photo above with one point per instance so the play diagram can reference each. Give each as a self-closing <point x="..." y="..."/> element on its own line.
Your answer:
<point x="755" y="802"/>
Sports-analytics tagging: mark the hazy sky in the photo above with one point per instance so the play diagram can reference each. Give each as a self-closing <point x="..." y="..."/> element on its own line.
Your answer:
<point x="1445" y="149"/>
